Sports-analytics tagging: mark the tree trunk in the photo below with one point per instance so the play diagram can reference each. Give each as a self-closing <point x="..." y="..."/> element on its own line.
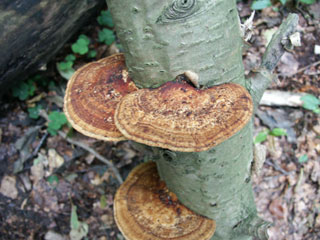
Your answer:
<point x="163" y="39"/>
<point x="31" y="33"/>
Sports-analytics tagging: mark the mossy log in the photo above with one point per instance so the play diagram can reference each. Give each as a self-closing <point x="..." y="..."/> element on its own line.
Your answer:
<point x="32" y="31"/>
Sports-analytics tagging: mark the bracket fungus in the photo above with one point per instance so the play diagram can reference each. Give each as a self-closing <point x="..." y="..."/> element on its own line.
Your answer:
<point x="179" y="117"/>
<point x="92" y="95"/>
<point x="145" y="209"/>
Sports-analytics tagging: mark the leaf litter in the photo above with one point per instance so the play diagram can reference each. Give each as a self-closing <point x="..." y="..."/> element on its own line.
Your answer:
<point x="51" y="189"/>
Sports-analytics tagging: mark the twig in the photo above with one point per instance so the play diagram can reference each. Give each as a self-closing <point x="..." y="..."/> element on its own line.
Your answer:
<point x="276" y="48"/>
<point x="36" y="150"/>
<point x="306" y="67"/>
<point x="88" y="149"/>
<point x="97" y="155"/>
<point x="276" y="167"/>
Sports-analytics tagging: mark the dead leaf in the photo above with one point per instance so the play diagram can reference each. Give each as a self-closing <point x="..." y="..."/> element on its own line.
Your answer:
<point x="107" y="219"/>
<point x="276" y="208"/>
<point x="89" y="158"/>
<point x="268" y="33"/>
<point x="44" y="196"/>
<point x="31" y="102"/>
<point x="295" y="39"/>
<point x="289" y="65"/>
<point x="314" y="9"/>
<point x="37" y="170"/>
<point x="51" y="235"/>
<point x="8" y="187"/>
<point x="55" y="160"/>
<point x="317" y="49"/>
<point x="24" y="146"/>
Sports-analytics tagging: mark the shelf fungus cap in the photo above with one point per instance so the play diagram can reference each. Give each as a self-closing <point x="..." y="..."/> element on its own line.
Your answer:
<point x="179" y="117"/>
<point x="145" y="209"/>
<point x="92" y="95"/>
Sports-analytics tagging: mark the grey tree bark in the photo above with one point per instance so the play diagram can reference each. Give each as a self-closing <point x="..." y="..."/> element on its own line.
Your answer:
<point x="163" y="39"/>
<point x="32" y="31"/>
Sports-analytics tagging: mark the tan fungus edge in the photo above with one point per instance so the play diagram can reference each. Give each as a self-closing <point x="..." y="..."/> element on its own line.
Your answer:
<point x="67" y="100"/>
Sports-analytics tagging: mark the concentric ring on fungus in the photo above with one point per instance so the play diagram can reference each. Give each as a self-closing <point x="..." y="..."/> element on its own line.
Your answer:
<point x="182" y="118"/>
<point x="92" y="95"/>
<point x="145" y="209"/>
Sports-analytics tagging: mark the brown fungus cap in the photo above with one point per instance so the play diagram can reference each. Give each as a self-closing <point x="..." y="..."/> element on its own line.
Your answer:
<point x="92" y="95"/>
<point x="182" y="118"/>
<point x="145" y="209"/>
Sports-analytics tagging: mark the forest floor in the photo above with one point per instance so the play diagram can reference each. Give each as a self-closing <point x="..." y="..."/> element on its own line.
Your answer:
<point x="52" y="186"/>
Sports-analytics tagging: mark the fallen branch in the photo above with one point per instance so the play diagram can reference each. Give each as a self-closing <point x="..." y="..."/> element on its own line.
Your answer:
<point x="277" y="167"/>
<point x="281" y="98"/>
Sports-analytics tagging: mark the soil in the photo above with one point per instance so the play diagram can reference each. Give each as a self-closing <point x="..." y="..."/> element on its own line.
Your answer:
<point x="45" y="179"/>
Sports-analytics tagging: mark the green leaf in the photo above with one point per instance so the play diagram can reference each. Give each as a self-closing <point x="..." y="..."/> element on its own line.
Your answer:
<point x="76" y="48"/>
<point x="53" y="179"/>
<point x="80" y="46"/>
<point x="64" y="66"/>
<point x="79" y="230"/>
<point x="260" y="4"/>
<point x="24" y="90"/>
<point x="277" y="132"/>
<point x="105" y="19"/>
<point x="103" y="202"/>
<point x="92" y="53"/>
<point x="74" y="222"/>
<point x="32" y="88"/>
<point x="52" y="86"/>
<point x="310" y="102"/>
<point x="57" y="120"/>
<point x="307" y="1"/>
<point x="283" y="2"/>
<point x="34" y="111"/>
<point x="261" y="137"/>
<point x="70" y="58"/>
<point x="39" y="80"/>
<point x="107" y="36"/>
<point x="66" y="73"/>
<point x="21" y="91"/>
<point x="85" y="38"/>
<point x="317" y="110"/>
<point x="52" y="132"/>
<point x="303" y="158"/>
